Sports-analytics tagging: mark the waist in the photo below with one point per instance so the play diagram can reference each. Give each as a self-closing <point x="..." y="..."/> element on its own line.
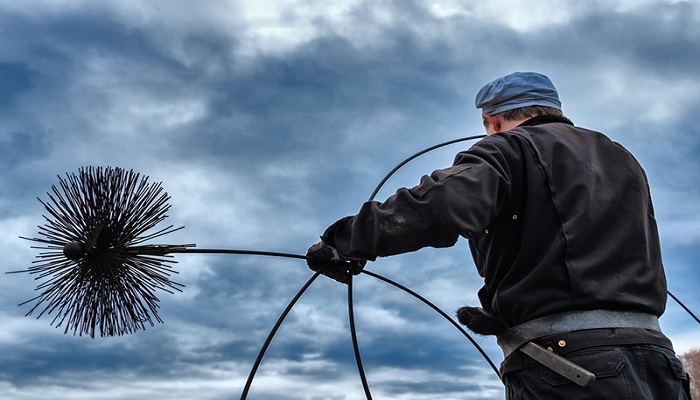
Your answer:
<point x="571" y="322"/>
<point x="570" y="342"/>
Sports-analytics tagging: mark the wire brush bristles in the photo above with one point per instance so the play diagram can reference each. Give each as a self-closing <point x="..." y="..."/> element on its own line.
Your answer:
<point x="98" y="275"/>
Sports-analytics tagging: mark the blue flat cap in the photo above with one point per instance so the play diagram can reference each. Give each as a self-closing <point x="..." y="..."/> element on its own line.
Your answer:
<point x="517" y="90"/>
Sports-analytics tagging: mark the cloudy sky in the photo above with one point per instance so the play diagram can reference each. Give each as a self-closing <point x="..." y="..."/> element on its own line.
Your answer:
<point x="266" y="121"/>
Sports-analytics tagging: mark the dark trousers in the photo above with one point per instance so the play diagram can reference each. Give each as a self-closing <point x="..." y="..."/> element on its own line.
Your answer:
<point x="630" y="372"/>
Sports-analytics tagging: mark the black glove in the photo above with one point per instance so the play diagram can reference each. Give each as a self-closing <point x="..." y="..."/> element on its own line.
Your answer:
<point x="324" y="258"/>
<point x="480" y="321"/>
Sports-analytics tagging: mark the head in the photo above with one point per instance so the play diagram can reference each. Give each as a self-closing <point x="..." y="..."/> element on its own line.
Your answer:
<point x="508" y="101"/>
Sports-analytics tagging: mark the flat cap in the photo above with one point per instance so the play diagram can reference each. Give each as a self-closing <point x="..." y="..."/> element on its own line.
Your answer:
<point x="517" y="90"/>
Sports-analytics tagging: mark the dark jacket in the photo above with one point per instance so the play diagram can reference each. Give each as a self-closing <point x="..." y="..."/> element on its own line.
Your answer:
<point x="558" y="218"/>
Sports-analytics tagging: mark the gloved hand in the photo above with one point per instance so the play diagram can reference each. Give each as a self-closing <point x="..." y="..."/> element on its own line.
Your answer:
<point x="324" y="258"/>
<point x="480" y="321"/>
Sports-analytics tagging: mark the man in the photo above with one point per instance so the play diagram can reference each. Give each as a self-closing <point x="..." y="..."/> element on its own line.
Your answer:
<point x="561" y="227"/>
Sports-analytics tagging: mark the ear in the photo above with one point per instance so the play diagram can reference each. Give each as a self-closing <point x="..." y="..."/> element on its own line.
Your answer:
<point x="494" y="122"/>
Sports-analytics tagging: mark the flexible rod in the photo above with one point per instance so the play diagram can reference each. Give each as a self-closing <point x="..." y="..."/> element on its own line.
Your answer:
<point x="414" y="156"/>
<point x="355" y="345"/>
<point x="680" y="303"/>
<point x="439" y="311"/>
<point x="274" y="329"/>
<point x="237" y="251"/>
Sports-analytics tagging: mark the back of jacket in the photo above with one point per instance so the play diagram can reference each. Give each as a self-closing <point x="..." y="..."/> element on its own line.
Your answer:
<point x="559" y="218"/>
<point x="577" y="230"/>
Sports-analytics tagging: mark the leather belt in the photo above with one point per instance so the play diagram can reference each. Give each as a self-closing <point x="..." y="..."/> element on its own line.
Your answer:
<point x="520" y="336"/>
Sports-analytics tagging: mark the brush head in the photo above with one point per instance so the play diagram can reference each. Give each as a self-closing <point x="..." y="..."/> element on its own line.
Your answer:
<point x="98" y="276"/>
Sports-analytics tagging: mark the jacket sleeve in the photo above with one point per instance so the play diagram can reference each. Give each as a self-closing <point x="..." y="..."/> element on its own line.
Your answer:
<point x="461" y="200"/>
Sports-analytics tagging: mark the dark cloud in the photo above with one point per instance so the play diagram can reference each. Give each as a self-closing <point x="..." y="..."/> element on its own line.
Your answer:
<point x="15" y="79"/>
<point x="656" y="38"/>
<point x="38" y="360"/>
<point x="21" y="147"/>
<point x="303" y="101"/>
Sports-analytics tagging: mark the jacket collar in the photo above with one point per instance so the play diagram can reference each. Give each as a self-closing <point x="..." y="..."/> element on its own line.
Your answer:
<point x="546" y="119"/>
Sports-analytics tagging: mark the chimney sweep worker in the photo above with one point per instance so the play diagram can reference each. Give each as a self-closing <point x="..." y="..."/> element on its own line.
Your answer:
<point x="561" y="227"/>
